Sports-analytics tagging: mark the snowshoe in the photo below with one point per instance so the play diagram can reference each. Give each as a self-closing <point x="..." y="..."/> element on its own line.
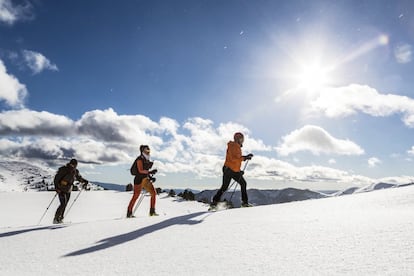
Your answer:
<point x="57" y="221"/>
<point x="212" y="208"/>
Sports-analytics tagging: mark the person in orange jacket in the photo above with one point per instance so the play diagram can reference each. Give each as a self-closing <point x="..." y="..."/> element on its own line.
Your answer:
<point x="231" y="169"/>
<point x="143" y="179"/>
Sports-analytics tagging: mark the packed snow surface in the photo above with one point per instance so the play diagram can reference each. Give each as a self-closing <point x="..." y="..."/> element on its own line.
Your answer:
<point x="359" y="234"/>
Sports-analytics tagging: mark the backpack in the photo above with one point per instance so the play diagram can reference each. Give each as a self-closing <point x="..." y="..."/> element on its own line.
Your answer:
<point x="134" y="168"/>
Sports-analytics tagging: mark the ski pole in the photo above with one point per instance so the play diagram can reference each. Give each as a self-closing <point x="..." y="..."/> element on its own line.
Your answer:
<point x="76" y="198"/>
<point x="245" y="165"/>
<point x="140" y="199"/>
<point x="47" y="208"/>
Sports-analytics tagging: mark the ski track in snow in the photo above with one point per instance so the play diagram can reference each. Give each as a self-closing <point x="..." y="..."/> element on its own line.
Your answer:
<point x="360" y="234"/>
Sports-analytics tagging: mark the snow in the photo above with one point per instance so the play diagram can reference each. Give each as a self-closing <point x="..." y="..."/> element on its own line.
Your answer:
<point x="358" y="234"/>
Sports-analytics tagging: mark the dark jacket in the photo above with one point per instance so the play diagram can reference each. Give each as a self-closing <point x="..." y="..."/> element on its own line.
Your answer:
<point x="143" y="166"/>
<point x="65" y="177"/>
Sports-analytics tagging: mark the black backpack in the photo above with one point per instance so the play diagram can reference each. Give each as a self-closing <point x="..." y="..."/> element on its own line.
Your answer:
<point x="134" y="168"/>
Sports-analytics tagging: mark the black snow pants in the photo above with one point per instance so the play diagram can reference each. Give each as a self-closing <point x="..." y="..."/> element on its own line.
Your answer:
<point x="228" y="175"/>
<point x="64" y="199"/>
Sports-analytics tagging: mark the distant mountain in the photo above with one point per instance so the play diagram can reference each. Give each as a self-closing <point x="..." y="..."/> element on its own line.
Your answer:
<point x="22" y="176"/>
<point x="370" y="188"/>
<point x="19" y="176"/>
<point x="111" y="186"/>
<point x="263" y="197"/>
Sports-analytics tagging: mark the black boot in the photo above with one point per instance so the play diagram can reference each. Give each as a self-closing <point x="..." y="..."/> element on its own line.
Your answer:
<point x="152" y="212"/>
<point x="129" y="214"/>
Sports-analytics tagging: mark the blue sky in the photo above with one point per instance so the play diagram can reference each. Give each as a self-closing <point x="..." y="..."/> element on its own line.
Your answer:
<point x="322" y="89"/>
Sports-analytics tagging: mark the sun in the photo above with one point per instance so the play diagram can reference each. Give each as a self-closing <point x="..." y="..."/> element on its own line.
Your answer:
<point x="312" y="76"/>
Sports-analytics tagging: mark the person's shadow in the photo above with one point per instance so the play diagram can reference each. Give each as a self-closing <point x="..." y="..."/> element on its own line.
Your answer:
<point x="36" y="228"/>
<point x="123" y="238"/>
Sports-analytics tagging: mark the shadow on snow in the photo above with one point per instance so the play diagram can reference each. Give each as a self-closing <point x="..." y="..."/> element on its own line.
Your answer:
<point x="18" y="232"/>
<point x="123" y="238"/>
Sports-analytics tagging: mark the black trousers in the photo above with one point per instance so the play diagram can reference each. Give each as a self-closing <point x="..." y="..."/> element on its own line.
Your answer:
<point x="64" y="199"/>
<point x="228" y="175"/>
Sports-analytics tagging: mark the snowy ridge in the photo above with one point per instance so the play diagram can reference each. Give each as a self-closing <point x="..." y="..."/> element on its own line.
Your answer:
<point x="265" y="197"/>
<point x="21" y="176"/>
<point x="262" y="197"/>
<point x="370" y="188"/>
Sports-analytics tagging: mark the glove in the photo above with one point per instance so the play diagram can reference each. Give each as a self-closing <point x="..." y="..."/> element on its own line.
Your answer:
<point x="248" y="157"/>
<point x="85" y="182"/>
<point x="241" y="173"/>
<point x="152" y="179"/>
<point x="153" y="171"/>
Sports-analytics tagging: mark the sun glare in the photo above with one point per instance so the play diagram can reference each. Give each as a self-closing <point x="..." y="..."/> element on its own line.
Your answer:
<point x="312" y="76"/>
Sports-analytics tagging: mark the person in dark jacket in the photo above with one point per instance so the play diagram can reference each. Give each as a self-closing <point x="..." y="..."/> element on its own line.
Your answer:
<point x="231" y="170"/>
<point x="63" y="181"/>
<point x="143" y="179"/>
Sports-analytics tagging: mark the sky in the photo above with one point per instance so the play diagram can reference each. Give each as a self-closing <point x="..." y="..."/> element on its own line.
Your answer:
<point x="322" y="90"/>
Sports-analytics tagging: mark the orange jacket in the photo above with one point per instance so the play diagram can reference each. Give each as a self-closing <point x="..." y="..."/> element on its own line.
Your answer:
<point x="234" y="156"/>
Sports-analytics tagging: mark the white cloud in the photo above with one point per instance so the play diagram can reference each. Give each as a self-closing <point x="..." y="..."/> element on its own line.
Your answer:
<point x="345" y="101"/>
<point x="105" y="137"/>
<point x="10" y="13"/>
<point x="11" y="90"/>
<point x="38" y="62"/>
<point x="373" y="162"/>
<point x="269" y="168"/>
<point x="28" y="122"/>
<point x="332" y="161"/>
<point x="197" y="147"/>
<point x="403" y="53"/>
<point x="411" y="151"/>
<point x="316" y="140"/>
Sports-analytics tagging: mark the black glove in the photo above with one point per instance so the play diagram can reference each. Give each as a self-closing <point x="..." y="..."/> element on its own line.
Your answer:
<point x="153" y="171"/>
<point x="241" y="173"/>
<point x="152" y="179"/>
<point x="248" y="157"/>
<point x="85" y="182"/>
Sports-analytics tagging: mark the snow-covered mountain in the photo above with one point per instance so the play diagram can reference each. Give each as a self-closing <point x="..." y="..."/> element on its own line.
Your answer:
<point x="21" y="176"/>
<point x="24" y="176"/>
<point x="262" y="197"/>
<point x="360" y="234"/>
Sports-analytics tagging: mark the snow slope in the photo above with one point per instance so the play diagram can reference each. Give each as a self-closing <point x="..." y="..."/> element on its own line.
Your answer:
<point x="359" y="234"/>
<point x="21" y="176"/>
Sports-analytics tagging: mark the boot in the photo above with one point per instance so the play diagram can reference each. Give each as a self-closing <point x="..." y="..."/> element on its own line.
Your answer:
<point x="57" y="220"/>
<point x="129" y="214"/>
<point x="152" y="212"/>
